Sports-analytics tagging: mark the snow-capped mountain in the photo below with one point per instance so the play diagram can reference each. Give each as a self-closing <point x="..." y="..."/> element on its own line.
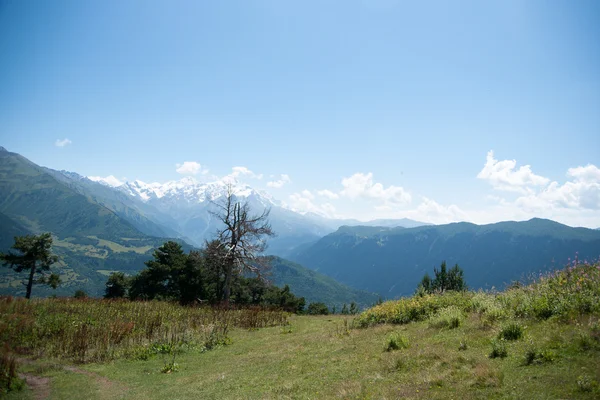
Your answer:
<point x="184" y="206"/>
<point x="186" y="191"/>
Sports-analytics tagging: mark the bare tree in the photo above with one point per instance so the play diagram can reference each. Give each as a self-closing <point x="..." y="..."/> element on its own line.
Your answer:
<point x="242" y="239"/>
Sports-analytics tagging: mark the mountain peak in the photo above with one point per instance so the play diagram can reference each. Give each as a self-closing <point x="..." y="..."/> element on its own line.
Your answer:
<point x="2" y="149"/>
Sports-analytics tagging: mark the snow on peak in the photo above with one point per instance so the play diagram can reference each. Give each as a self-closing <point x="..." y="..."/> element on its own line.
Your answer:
<point x="189" y="191"/>
<point x="108" y="181"/>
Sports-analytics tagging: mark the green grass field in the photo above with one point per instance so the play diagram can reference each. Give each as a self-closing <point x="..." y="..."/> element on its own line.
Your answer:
<point x="323" y="358"/>
<point x="535" y="342"/>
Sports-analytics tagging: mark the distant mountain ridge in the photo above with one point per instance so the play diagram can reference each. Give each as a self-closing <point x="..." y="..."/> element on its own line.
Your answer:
<point x="98" y="229"/>
<point x="188" y="203"/>
<point x="391" y="261"/>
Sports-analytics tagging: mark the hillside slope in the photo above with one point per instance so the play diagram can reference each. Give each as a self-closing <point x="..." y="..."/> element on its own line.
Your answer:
<point x="391" y="261"/>
<point x="314" y="286"/>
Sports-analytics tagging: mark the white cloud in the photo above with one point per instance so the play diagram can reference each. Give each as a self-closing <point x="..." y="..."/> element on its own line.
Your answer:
<point x="575" y="202"/>
<point x="190" y="168"/>
<point x="361" y="185"/>
<point x="239" y="171"/>
<point x="283" y="179"/>
<point x="303" y="202"/>
<point x="62" y="143"/>
<point x="329" y="194"/>
<point x="502" y="175"/>
<point x="109" y="180"/>
<point x="431" y="211"/>
<point x="308" y="194"/>
<point x="590" y="173"/>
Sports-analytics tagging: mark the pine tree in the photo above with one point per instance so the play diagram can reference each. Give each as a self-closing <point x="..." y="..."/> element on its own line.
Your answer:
<point x="36" y="257"/>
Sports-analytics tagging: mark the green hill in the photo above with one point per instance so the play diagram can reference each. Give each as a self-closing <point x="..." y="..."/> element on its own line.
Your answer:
<point x="90" y="239"/>
<point x="314" y="286"/>
<point x="97" y="230"/>
<point x="391" y="261"/>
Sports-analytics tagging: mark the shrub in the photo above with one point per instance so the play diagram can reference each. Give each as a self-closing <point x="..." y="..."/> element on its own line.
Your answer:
<point x="396" y="341"/>
<point x="9" y="379"/>
<point x="317" y="309"/>
<point x="412" y="309"/>
<point x="535" y="356"/>
<point x="448" y="317"/>
<point x="498" y="349"/>
<point x="80" y="294"/>
<point x="586" y="384"/>
<point x="512" y="331"/>
<point x="567" y="293"/>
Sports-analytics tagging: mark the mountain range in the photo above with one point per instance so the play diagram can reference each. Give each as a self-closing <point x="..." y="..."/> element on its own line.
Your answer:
<point x="392" y="261"/>
<point x="98" y="229"/>
<point x="184" y="208"/>
<point x="103" y="225"/>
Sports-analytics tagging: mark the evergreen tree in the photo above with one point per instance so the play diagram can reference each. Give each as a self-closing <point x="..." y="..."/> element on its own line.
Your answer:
<point x="35" y="257"/>
<point x="440" y="282"/>
<point x="456" y="279"/>
<point x="117" y="286"/>
<point x="426" y="283"/>
<point x="164" y="275"/>
<point x="353" y="308"/>
<point x="443" y="280"/>
<point x="318" y="309"/>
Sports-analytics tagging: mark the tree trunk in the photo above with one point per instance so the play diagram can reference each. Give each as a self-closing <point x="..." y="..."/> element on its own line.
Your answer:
<point x="227" y="284"/>
<point x="30" y="282"/>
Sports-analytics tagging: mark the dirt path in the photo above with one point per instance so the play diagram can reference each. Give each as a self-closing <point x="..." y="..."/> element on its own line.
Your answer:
<point x="39" y="385"/>
<point x="104" y="383"/>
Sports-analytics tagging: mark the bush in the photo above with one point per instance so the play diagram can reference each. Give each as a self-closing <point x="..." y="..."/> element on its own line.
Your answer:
<point x="412" y="309"/>
<point x="396" y="341"/>
<point x="9" y="379"/>
<point x="498" y="349"/>
<point x="566" y="294"/>
<point x="80" y="294"/>
<point x="512" y="331"/>
<point x="586" y="384"/>
<point x="317" y="309"/>
<point x="534" y="356"/>
<point x="448" y="317"/>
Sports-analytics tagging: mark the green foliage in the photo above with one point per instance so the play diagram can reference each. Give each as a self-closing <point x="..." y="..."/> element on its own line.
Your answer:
<point x="536" y="356"/>
<point x="450" y="317"/>
<point x="443" y="281"/>
<point x="35" y="257"/>
<point x="80" y="294"/>
<point x="170" y="367"/>
<point x="200" y="277"/>
<point x="317" y="309"/>
<point x="396" y="341"/>
<point x="117" y="286"/>
<point x="499" y="349"/>
<point x="562" y="294"/>
<point x="511" y="331"/>
<point x="9" y="378"/>
<point x="489" y="308"/>
<point x="98" y="330"/>
<point x="413" y="308"/>
<point x="586" y="384"/>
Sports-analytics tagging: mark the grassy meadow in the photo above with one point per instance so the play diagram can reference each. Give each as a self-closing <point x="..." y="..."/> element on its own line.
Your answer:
<point x="540" y="341"/>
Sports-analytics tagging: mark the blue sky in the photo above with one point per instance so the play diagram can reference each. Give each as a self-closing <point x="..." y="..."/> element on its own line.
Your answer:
<point x="416" y="94"/>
